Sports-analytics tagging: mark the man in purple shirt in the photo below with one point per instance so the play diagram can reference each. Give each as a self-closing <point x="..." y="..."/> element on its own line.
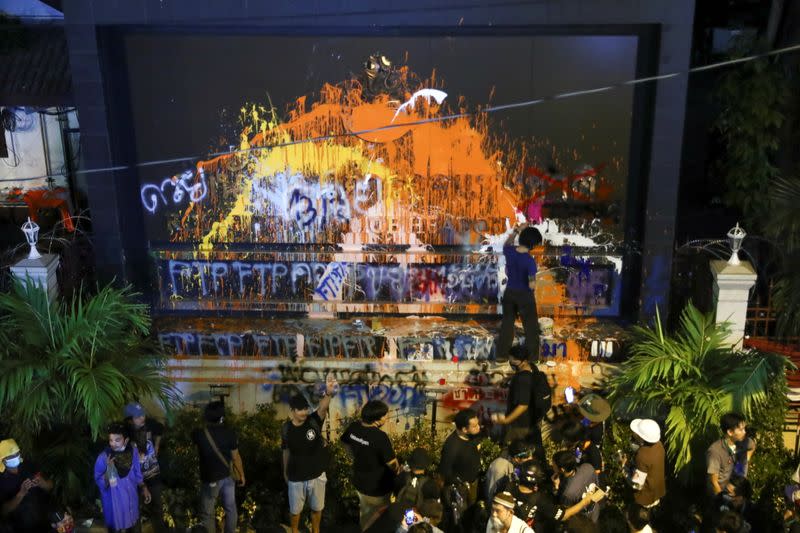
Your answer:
<point x="519" y="298"/>
<point x="118" y="475"/>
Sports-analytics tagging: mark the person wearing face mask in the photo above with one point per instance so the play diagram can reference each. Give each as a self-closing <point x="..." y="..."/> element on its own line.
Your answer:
<point x="374" y="462"/>
<point x="460" y="466"/>
<point x="118" y="475"/>
<point x="520" y="389"/>
<point x="24" y="491"/>
<point x="503" y="519"/>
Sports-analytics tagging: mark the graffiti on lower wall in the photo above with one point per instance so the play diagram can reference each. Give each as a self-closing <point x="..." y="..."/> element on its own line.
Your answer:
<point x="403" y="390"/>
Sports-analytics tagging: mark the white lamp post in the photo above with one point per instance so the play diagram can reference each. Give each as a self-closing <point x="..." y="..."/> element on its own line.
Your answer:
<point x="38" y="269"/>
<point x="736" y="235"/>
<point x="31" y="231"/>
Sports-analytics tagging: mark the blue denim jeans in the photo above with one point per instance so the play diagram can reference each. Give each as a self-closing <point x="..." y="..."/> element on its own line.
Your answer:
<point x="208" y="499"/>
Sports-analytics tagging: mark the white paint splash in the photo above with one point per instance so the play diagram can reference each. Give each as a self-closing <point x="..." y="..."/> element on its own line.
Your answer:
<point x="551" y="233"/>
<point x="428" y="94"/>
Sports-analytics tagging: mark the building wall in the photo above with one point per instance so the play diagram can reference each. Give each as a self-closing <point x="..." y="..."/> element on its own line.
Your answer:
<point x="121" y="249"/>
<point x="35" y="149"/>
<point x="409" y="388"/>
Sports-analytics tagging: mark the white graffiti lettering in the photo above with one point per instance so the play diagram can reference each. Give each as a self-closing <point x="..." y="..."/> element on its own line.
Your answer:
<point x="181" y="185"/>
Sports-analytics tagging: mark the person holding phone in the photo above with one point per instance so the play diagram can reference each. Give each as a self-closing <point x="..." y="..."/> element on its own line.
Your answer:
<point x="118" y="475"/>
<point x="573" y="481"/>
<point x="536" y="507"/>
<point x="24" y="491"/>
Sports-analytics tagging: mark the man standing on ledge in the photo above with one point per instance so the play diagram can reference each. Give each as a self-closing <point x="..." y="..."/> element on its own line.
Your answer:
<point x="519" y="298"/>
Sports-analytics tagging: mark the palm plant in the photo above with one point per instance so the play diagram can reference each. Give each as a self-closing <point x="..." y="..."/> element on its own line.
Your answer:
<point x="783" y="225"/>
<point x="688" y="379"/>
<point x="67" y="369"/>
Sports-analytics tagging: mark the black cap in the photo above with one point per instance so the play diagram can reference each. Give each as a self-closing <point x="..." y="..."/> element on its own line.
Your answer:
<point x="519" y="448"/>
<point x="298" y="403"/>
<point x="531" y="474"/>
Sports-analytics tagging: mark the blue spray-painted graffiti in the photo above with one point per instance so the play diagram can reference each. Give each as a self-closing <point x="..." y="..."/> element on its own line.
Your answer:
<point x="454" y="283"/>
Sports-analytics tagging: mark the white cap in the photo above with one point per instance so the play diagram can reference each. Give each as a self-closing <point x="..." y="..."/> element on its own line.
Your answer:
<point x="647" y="429"/>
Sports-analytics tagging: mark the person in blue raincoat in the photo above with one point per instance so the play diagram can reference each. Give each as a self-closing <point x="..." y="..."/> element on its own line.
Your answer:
<point x="118" y="475"/>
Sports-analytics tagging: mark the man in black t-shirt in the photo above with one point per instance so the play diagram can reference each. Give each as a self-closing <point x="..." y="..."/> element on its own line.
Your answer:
<point x="24" y="491"/>
<point x="461" y="460"/>
<point x="519" y="419"/>
<point x="305" y="458"/>
<point x="374" y="462"/>
<point x="460" y="466"/>
<point x="215" y="471"/>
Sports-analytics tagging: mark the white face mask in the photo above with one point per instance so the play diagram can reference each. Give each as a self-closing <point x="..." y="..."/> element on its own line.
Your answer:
<point x="14" y="462"/>
<point x="119" y="448"/>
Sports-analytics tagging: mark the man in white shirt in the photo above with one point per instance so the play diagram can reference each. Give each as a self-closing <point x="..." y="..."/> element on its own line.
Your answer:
<point x="503" y="519"/>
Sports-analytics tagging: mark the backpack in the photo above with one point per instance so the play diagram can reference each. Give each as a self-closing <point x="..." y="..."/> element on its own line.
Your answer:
<point x="541" y="395"/>
<point x="410" y="495"/>
<point x="455" y="497"/>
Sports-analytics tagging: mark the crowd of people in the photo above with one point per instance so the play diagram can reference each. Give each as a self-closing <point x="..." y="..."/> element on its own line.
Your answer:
<point x="523" y="490"/>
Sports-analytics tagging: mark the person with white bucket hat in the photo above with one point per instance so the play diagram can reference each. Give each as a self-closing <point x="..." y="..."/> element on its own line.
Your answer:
<point x="647" y="471"/>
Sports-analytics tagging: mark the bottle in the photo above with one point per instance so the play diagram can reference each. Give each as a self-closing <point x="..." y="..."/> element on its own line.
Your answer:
<point x="112" y="476"/>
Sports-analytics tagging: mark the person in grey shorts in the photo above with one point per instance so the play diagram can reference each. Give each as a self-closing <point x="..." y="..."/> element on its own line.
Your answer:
<point x="305" y="458"/>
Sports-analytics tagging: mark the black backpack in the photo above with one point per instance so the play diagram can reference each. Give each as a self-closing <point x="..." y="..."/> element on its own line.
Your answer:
<point x="410" y="494"/>
<point x="541" y="395"/>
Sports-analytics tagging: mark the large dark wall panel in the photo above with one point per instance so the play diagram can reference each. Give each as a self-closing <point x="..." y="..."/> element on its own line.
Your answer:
<point x="118" y="227"/>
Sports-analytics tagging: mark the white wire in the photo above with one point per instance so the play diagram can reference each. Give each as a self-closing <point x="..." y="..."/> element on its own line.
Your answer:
<point x="490" y="109"/>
